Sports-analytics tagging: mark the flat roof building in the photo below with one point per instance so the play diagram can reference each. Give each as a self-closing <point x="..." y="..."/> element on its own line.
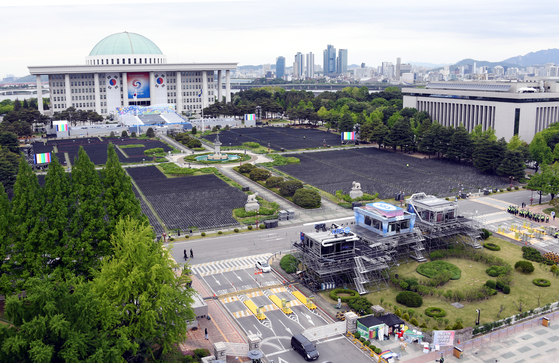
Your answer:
<point x="522" y="108"/>
<point x="129" y="69"/>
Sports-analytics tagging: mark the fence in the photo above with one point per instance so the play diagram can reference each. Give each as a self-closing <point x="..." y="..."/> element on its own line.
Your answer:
<point x="326" y="331"/>
<point x="236" y="349"/>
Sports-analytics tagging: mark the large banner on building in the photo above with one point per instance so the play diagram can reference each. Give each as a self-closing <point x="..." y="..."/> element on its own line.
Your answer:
<point x="443" y="337"/>
<point x="112" y="82"/>
<point x="160" y="89"/>
<point x="138" y="83"/>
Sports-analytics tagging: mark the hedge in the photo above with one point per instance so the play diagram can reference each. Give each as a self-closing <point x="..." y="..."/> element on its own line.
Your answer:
<point x="410" y="299"/>
<point x="524" y="266"/>
<point x="433" y="268"/>
<point x="541" y="282"/>
<point x="532" y="254"/>
<point x="289" y="263"/>
<point x="506" y="289"/>
<point x="334" y="294"/>
<point x="492" y="246"/>
<point x="435" y="312"/>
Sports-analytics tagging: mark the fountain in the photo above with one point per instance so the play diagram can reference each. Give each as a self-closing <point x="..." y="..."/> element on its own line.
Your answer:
<point x="217" y="155"/>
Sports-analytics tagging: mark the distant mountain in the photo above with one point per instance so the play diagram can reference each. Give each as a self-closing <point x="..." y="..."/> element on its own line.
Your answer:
<point x="540" y="57"/>
<point x="427" y="65"/>
<point x="479" y="63"/>
<point x="30" y="78"/>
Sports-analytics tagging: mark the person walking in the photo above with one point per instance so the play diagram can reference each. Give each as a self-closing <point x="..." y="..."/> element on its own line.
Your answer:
<point x="185" y="256"/>
<point x="191" y="253"/>
<point x="206" y="332"/>
<point x="553" y="215"/>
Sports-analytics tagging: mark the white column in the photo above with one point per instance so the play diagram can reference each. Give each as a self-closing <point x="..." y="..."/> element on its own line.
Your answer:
<point x="227" y="86"/>
<point x="125" y="88"/>
<point x="204" y="89"/>
<point x="39" y="94"/>
<point x="68" y="90"/>
<point x="152" y="88"/>
<point x="178" y="105"/>
<point x="97" y="93"/>
<point x="219" y="86"/>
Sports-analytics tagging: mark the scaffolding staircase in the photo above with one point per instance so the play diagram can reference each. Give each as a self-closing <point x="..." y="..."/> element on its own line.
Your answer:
<point x="418" y="248"/>
<point x="361" y="277"/>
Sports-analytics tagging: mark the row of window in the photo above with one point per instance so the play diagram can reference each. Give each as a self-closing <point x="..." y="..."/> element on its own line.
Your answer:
<point x="103" y="62"/>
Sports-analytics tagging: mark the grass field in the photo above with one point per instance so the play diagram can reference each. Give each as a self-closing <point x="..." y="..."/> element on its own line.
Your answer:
<point x="473" y="274"/>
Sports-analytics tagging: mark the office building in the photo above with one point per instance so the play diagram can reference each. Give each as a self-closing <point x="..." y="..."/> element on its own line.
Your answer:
<point x="280" y="67"/>
<point x="129" y="69"/>
<point x="398" y="71"/>
<point x="330" y="63"/>
<point x="342" y="61"/>
<point x="310" y="66"/>
<point x="510" y="108"/>
<point x="298" y="66"/>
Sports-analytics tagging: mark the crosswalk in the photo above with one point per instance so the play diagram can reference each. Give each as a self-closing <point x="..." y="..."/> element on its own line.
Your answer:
<point x="495" y="203"/>
<point x="233" y="264"/>
<point x="494" y="217"/>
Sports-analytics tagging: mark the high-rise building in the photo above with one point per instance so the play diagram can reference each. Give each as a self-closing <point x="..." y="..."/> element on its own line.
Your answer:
<point x="342" y="61"/>
<point x="330" y="61"/>
<point x="310" y="65"/>
<point x="280" y="67"/>
<point x="398" y="71"/>
<point x="298" y="65"/>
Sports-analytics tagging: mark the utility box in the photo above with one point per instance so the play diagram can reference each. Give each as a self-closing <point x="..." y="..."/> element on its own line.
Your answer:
<point x="546" y="322"/>
<point x="457" y="352"/>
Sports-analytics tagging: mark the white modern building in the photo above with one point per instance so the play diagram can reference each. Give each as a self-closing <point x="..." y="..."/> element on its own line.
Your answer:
<point x="522" y="108"/>
<point x="129" y="69"/>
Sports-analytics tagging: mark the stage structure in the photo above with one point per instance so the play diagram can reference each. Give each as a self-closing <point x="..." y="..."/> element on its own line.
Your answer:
<point x="440" y="223"/>
<point x="381" y="236"/>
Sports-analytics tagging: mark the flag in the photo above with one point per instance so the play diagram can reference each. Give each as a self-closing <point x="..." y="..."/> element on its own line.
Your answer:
<point x="135" y="95"/>
<point x="200" y="93"/>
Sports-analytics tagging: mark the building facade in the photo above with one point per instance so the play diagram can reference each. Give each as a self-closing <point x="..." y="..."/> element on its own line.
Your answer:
<point x="329" y="59"/>
<point x="342" y="61"/>
<point x="298" y="66"/>
<point x="309" y="71"/>
<point x="510" y="108"/>
<point x="129" y="69"/>
<point x="280" y="67"/>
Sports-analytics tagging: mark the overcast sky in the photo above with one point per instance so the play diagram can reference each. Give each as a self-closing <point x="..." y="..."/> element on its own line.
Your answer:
<point x="256" y="32"/>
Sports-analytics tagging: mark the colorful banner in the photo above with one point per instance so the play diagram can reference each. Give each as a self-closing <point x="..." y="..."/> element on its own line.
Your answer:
<point x="348" y="135"/>
<point x="250" y="117"/>
<point x="443" y="337"/>
<point x="112" y="81"/>
<point x="60" y="125"/>
<point x="159" y="89"/>
<point x="138" y="83"/>
<point x="146" y="110"/>
<point x="42" y="158"/>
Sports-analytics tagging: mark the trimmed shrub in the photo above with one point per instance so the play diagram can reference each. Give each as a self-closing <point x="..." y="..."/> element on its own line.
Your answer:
<point x="411" y="312"/>
<point x="289" y="187"/>
<point x="414" y="322"/>
<point x="334" y="294"/>
<point x="435" y="312"/>
<point x="506" y="289"/>
<point x="378" y="351"/>
<point x="398" y="313"/>
<point x="236" y="230"/>
<point x="219" y="232"/>
<point x="194" y="143"/>
<point x="262" y="226"/>
<point x="357" y="335"/>
<point x="249" y="227"/>
<point x="274" y="181"/>
<point x="541" y="282"/>
<point x="289" y="263"/>
<point x="156" y="150"/>
<point x="423" y="326"/>
<point x="259" y="174"/>
<point x="246" y="168"/>
<point x="362" y="340"/>
<point x="366" y="343"/>
<point x="485" y="234"/>
<point x="448" y="327"/>
<point x="433" y="268"/>
<point x="500" y="284"/>
<point x="524" y="266"/>
<point x="307" y="198"/>
<point x="492" y="246"/>
<point x="495" y="271"/>
<point x="203" y="234"/>
<point x="532" y="254"/>
<point x="410" y="299"/>
<point x="252" y="145"/>
<point x="491" y="284"/>
<point x="406" y="317"/>
<point x="360" y="304"/>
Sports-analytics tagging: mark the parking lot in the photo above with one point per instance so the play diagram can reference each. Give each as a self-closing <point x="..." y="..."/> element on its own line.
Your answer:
<point x="242" y="289"/>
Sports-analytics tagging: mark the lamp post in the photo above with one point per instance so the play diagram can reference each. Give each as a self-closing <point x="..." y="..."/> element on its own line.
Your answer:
<point x="478" y="311"/>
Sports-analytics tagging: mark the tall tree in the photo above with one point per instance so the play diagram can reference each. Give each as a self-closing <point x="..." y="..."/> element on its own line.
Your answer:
<point x="8" y="140"/>
<point x="540" y="152"/>
<point x="380" y="133"/>
<point x="430" y="139"/>
<point x="401" y="134"/>
<point x="461" y="145"/>
<point x="512" y="165"/>
<point x="119" y="198"/>
<point x="88" y="235"/>
<point x="5" y="240"/>
<point x="140" y="284"/>
<point x="346" y="123"/>
<point x="8" y="167"/>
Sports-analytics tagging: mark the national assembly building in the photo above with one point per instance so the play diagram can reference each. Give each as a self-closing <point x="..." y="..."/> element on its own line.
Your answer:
<point x="126" y="69"/>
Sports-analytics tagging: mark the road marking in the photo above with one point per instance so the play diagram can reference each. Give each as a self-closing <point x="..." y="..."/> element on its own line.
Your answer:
<point x="228" y="265"/>
<point x="330" y="220"/>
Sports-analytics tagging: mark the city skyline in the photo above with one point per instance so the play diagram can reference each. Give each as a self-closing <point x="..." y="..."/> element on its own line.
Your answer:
<point x="197" y="31"/>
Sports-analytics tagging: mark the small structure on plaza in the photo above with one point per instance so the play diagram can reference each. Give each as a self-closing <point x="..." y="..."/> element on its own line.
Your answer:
<point x="355" y="191"/>
<point x="217" y="155"/>
<point x="252" y="203"/>
<point x="371" y="328"/>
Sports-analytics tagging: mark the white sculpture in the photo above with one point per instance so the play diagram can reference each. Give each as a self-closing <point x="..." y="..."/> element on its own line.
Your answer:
<point x="355" y="186"/>
<point x="252" y="203"/>
<point x="252" y="198"/>
<point x="355" y="190"/>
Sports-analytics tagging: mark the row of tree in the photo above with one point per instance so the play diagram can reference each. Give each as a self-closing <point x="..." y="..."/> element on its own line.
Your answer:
<point x="83" y="277"/>
<point x="9" y="158"/>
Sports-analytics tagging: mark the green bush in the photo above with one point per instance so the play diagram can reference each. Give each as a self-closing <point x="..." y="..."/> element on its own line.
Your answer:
<point x="150" y="133"/>
<point x="433" y="268"/>
<point x="219" y="232"/>
<point x="410" y="299"/>
<point x="506" y="289"/>
<point x="491" y="284"/>
<point x="541" y="282"/>
<point x="398" y="313"/>
<point x="435" y="312"/>
<point x="414" y="322"/>
<point x="357" y="335"/>
<point x="236" y="230"/>
<point x="252" y="145"/>
<point x="532" y="254"/>
<point x="194" y="143"/>
<point x="495" y="271"/>
<point x="249" y="227"/>
<point x="156" y="150"/>
<point x="362" y="340"/>
<point x="203" y="234"/>
<point x="366" y="343"/>
<point x="500" y="284"/>
<point x="289" y="263"/>
<point x="262" y="226"/>
<point x="378" y="350"/>
<point x="259" y="174"/>
<point x="307" y="198"/>
<point x="289" y="187"/>
<point x="186" y="236"/>
<point x="524" y="266"/>
<point x="201" y="353"/>
<point x="360" y="304"/>
<point x="405" y="316"/>
<point x="133" y="134"/>
<point x="124" y="133"/>
<point x="492" y="246"/>
<point x="423" y="326"/>
<point x="485" y="234"/>
<point x="246" y="168"/>
<point x="274" y="181"/>
<point x="334" y="294"/>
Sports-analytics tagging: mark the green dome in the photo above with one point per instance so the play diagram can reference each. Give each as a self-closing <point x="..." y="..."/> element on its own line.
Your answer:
<point x="125" y="43"/>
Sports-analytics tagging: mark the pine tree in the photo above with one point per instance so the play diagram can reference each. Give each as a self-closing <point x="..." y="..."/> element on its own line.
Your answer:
<point x="54" y="237"/>
<point x="430" y="139"/>
<point x="461" y="145"/>
<point x="401" y="134"/>
<point x="5" y="239"/>
<point x="119" y="199"/>
<point x="26" y="214"/>
<point x="88" y="234"/>
<point x="512" y="165"/>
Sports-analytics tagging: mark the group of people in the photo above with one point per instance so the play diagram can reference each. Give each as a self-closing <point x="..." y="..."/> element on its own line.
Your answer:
<point x="524" y="213"/>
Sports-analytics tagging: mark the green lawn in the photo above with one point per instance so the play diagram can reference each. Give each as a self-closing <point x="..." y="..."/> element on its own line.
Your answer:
<point x="473" y="274"/>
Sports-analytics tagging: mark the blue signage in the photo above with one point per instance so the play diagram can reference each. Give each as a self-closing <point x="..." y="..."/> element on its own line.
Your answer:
<point x="341" y="230"/>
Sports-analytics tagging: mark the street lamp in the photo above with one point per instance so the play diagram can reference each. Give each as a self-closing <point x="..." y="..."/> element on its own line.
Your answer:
<point x="478" y="311"/>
